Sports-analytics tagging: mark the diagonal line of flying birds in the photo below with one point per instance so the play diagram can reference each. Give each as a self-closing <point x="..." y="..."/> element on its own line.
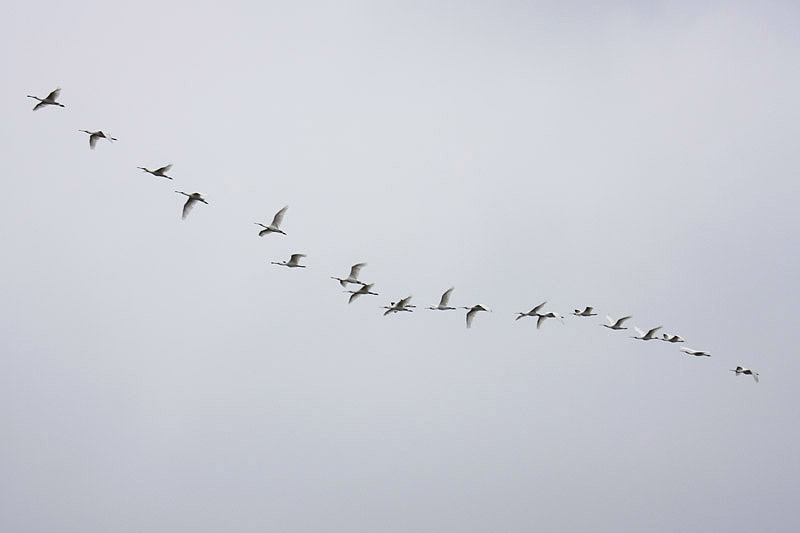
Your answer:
<point x="403" y="304"/>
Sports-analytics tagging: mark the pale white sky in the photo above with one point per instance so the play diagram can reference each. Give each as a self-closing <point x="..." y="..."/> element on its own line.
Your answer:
<point x="161" y="375"/>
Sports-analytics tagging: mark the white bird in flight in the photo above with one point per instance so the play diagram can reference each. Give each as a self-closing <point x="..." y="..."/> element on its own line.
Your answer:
<point x="746" y="371"/>
<point x="646" y="336"/>
<point x="365" y="289"/>
<point x="193" y="199"/>
<point x="293" y="262"/>
<point x="532" y="312"/>
<point x="275" y="226"/>
<point x="50" y="99"/>
<point x="472" y="311"/>
<point x="615" y="325"/>
<point x="696" y="353"/>
<point x="94" y="135"/>
<point x="585" y="312"/>
<point x="444" y="301"/>
<point x="400" y="305"/>
<point x="672" y="338"/>
<point x="551" y="314"/>
<point x="160" y="172"/>
<point x="352" y="277"/>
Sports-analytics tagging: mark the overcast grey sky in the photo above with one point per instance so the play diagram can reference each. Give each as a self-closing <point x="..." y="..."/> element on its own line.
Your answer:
<point x="161" y="375"/>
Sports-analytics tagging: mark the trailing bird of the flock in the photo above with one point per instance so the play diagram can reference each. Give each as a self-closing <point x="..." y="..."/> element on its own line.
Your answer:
<point x="404" y="304"/>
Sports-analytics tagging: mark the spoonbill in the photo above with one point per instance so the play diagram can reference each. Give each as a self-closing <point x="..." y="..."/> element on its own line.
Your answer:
<point x="50" y="99"/>
<point x="193" y="199"/>
<point x="671" y="338"/>
<point x="551" y="314"/>
<point x="365" y="289"/>
<point x="293" y="262"/>
<point x="585" y="312"/>
<point x="160" y="172"/>
<point x="275" y="226"/>
<point x="400" y="305"/>
<point x="646" y="336"/>
<point x="696" y="353"/>
<point x="94" y="135"/>
<point x="532" y="312"/>
<point x="746" y="371"/>
<point x="444" y="301"/>
<point x="352" y="277"/>
<point x="472" y="311"/>
<point x="616" y="325"/>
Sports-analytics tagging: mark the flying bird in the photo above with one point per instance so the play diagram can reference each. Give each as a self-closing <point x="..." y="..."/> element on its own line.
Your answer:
<point x="542" y="318"/>
<point x="275" y="226"/>
<point x="444" y="301"/>
<point x="159" y="172"/>
<point x="532" y="312"/>
<point x="585" y="312"/>
<point x="616" y="325"/>
<point x="193" y="199"/>
<point x="50" y="99"/>
<point x="746" y="371"/>
<point x="352" y="277"/>
<point x="472" y="311"/>
<point x="293" y="262"/>
<point x="94" y="135"/>
<point x="671" y="338"/>
<point x="646" y="336"/>
<point x="696" y="353"/>
<point x="400" y="305"/>
<point x="365" y="289"/>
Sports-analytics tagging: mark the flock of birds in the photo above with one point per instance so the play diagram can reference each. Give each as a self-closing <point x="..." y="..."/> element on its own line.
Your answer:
<point x="364" y="288"/>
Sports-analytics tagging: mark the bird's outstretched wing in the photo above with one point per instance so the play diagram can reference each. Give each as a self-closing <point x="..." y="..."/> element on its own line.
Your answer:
<point x="163" y="169"/>
<point x="92" y="140"/>
<point x="470" y="317"/>
<point x="53" y="95"/>
<point x="446" y="297"/>
<point x="39" y="106"/>
<point x="355" y="269"/>
<point x="353" y="296"/>
<point x="619" y="322"/>
<point x="295" y="259"/>
<point x="187" y="207"/>
<point x="536" y="309"/>
<point x="278" y="218"/>
<point x="540" y="321"/>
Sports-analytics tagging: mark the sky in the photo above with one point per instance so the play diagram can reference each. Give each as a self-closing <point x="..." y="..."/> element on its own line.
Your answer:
<point x="160" y="374"/>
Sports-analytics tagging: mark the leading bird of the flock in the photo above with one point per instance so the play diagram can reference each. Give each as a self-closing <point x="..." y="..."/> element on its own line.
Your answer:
<point x="400" y="305"/>
<point x="672" y="338"/>
<point x="365" y="289"/>
<point x="616" y="325"/>
<point x="159" y="172"/>
<point x="696" y="353"/>
<point x="193" y="199"/>
<point x="472" y="311"/>
<point x="532" y="312"/>
<point x="745" y="371"/>
<point x="50" y="99"/>
<point x="444" y="301"/>
<point x="293" y="262"/>
<point x="352" y="277"/>
<point x="646" y="336"/>
<point x="275" y="226"/>
<point x="585" y="312"/>
<point x="94" y="135"/>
